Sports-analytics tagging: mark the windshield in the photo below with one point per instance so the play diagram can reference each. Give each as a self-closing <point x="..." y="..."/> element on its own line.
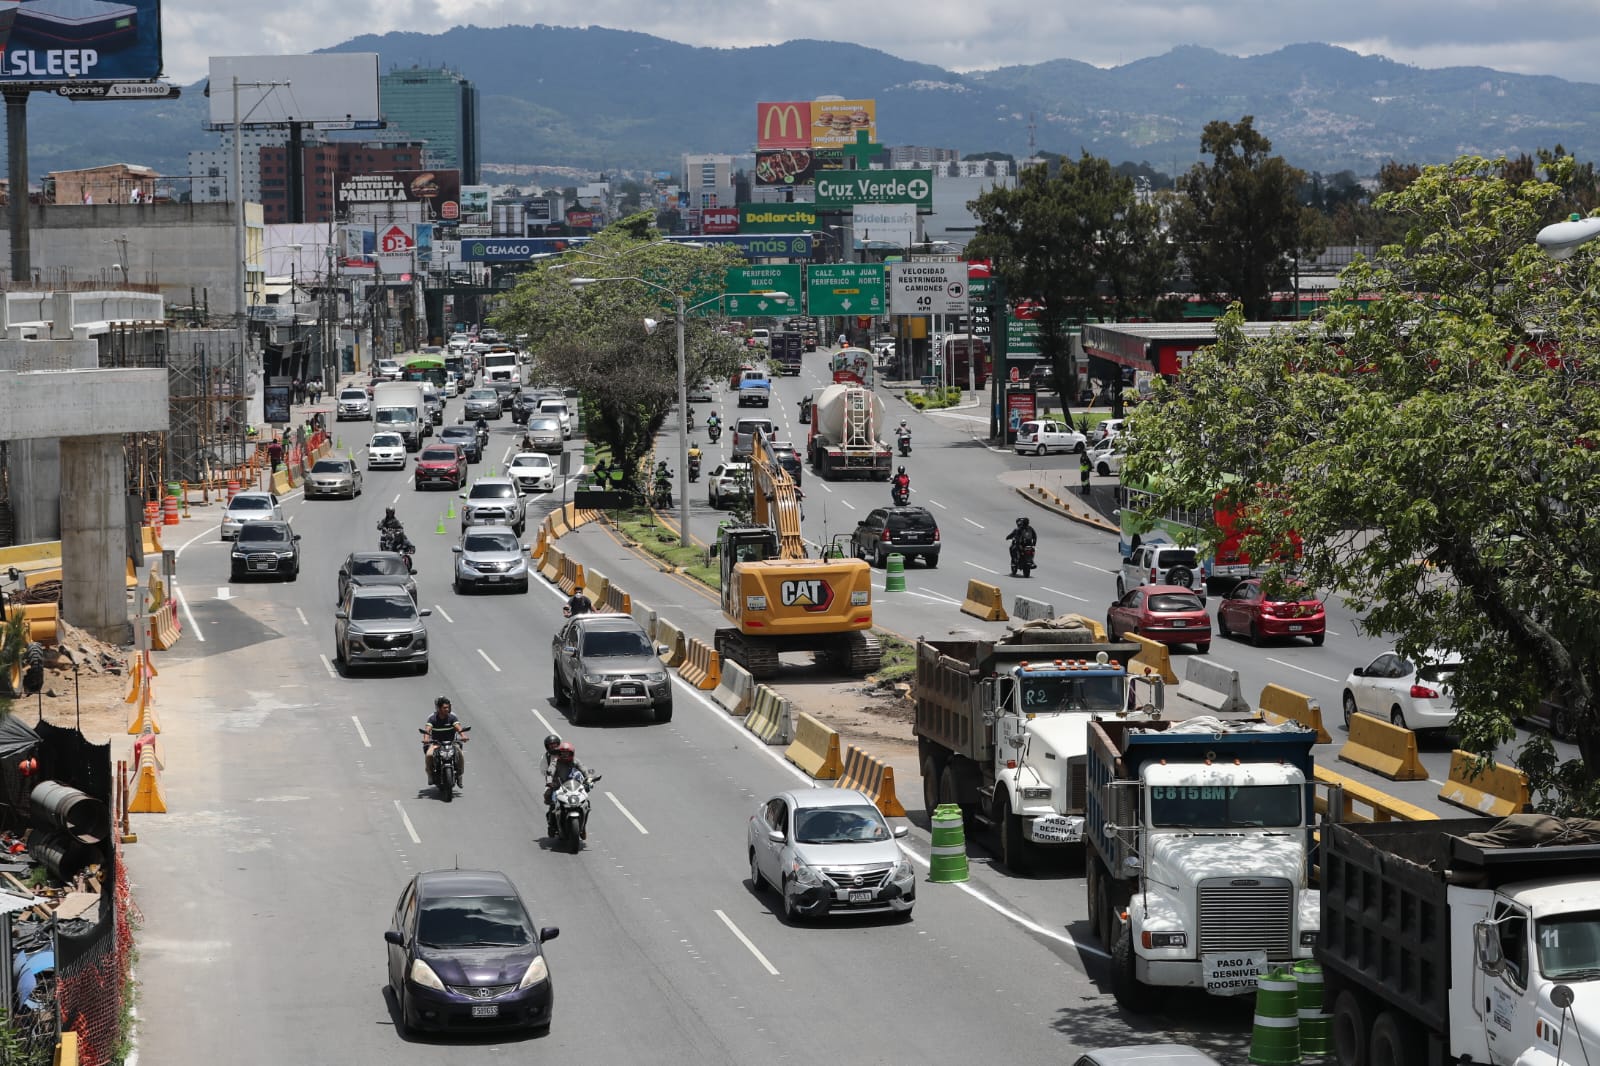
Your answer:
<point x="386" y="440"/>
<point x="331" y="466"/>
<point x="491" y="542"/>
<point x="545" y="425"/>
<point x="473" y="921"/>
<point x="353" y="394"/>
<point x="250" y="503"/>
<point x="457" y="433"/>
<point x="1072" y="693"/>
<point x="437" y="455"/>
<point x="1226" y="806"/>
<point x="388" y="608"/>
<point x="615" y="642"/>
<point x="1569" y="946"/>
<point x="839" y="825"/>
<point x="484" y="394"/>
<point x="552" y="407"/>
<point x="378" y="564"/>
<point x="541" y="461"/>
<point x="263" y="533"/>
<point x="493" y="492"/>
<point x="396" y="414"/>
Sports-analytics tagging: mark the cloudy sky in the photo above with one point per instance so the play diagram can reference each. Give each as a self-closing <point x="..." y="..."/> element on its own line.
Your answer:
<point x="1559" y="37"/>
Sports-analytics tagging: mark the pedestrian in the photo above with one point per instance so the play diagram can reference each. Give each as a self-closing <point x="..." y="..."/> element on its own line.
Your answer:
<point x="1083" y="473"/>
<point x="297" y="389"/>
<point x="275" y="454"/>
<point x="602" y="474"/>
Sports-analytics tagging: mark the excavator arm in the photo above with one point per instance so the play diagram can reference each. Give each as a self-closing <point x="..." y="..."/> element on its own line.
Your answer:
<point x="775" y="502"/>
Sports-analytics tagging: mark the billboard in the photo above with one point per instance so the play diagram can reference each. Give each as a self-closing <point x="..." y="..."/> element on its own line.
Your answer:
<point x="834" y="122"/>
<point x="783" y="125"/>
<point x="751" y="246"/>
<point x="844" y="188"/>
<point x="776" y="218"/>
<point x="896" y="223"/>
<point x="719" y="220"/>
<point x="439" y="191"/>
<point x="333" y="88"/>
<point x="56" y="43"/>
<point x="785" y="166"/>
<point x="538" y="211"/>
<point x="475" y="204"/>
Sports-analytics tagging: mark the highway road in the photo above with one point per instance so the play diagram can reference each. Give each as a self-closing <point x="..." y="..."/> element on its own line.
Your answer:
<point x="298" y="810"/>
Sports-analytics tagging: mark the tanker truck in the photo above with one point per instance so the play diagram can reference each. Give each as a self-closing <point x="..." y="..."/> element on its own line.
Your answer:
<point x="848" y="427"/>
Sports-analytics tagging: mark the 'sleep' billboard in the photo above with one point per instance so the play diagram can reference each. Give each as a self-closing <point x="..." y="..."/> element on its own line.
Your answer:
<point x="54" y="43"/>
<point x="339" y="87"/>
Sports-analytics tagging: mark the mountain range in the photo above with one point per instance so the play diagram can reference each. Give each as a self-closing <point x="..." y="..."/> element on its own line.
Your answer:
<point x="606" y="99"/>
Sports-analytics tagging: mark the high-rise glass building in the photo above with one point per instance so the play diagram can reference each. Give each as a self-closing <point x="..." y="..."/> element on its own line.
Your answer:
<point x="439" y="107"/>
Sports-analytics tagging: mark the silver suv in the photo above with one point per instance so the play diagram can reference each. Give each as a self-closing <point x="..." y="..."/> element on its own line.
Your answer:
<point x="494" y="501"/>
<point x="380" y="624"/>
<point x="1161" y="563"/>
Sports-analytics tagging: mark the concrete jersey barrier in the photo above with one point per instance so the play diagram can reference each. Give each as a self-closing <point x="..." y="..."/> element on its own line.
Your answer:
<point x="815" y="748"/>
<point x="1387" y="750"/>
<point x="646" y="617"/>
<point x="1027" y="609"/>
<point x="554" y="560"/>
<point x="771" y="716"/>
<point x="1280" y="704"/>
<point x="672" y="638"/>
<point x="1494" y="790"/>
<point x="984" y="601"/>
<point x="873" y="777"/>
<point x="1154" y="655"/>
<point x="1212" y="685"/>
<point x="1382" y="806"/>
<point x="736" y="691"/>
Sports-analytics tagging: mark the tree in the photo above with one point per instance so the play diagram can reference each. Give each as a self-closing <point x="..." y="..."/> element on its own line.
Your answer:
<point x="594" y="338"/>
<point x="1435" y="449"/>
<point x="1079" y="244"/>
<point x="1238" y="223"/>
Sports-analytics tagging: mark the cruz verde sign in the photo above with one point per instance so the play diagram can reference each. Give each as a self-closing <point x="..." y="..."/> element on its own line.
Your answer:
<point x="844" y="188"/>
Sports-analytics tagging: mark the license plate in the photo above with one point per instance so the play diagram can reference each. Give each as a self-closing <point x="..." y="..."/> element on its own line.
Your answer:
<point x="486" y="1010"/>
<point x="390" y="653"/>
<point x="628" y="690"/>
<point x="493" y="577"/>
<point x="1295" y="629"/>
<point x="860" y="897"/>
<point x="262" y="566"/>
<point x="1179" y="623"/>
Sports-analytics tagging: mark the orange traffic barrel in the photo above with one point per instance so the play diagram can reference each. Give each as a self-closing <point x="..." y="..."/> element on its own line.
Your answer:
<point x="169" y="510"/>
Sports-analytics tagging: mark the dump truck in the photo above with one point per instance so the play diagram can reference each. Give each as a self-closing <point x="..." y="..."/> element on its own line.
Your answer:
<point x="848" y="425"/>
<point x="778" y="598"/>
<point x="1001" y="730"/>
<point x="1465" y="940"/>
<point x="1198" y="867"/>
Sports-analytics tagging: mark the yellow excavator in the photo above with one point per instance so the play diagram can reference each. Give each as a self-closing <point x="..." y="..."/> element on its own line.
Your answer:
<point x="778" y="598"/>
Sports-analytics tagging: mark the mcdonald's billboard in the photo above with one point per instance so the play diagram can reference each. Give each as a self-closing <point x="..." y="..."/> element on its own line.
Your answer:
<point x="783" y="125"/>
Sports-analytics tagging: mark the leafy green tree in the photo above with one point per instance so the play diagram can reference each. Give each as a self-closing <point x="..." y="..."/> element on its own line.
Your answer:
<point x="1437" y="451"/>
<point x="593" y="336"/>
<point x="1079" y="244"/>
<point x="1239" y="224"/>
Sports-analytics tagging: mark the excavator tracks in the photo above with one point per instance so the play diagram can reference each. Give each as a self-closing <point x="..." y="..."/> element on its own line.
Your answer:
<point x="862" y="654"/>
<point x="758" y="658"/>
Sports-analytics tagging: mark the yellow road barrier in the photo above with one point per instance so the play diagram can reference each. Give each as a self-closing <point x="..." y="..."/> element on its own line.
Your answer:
<point x="815" y="749"/>
<point x="736" y="690"/>
<point x="1492" y="789"/>
<point x="148" y="797"/>
<point x="872" y="776"/>
<point x="1279" y="705"/>
<point x="554" y="560"/>
<point x="1153" y="655"/>
<point x="769" y="716"/>
<point x="1380" y="806"/>
<point x="571" y="576"/>
<point x="618" y="600"/>
<point x="984" y="601"/>
<point x="1387" y="750"/>
<point x="672" y="638"/>
<point x="701" y="666"/>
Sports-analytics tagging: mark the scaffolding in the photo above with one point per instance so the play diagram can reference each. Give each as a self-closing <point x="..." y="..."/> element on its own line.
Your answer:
<point x="139" y="345"/>
<point x="209" y="442"/>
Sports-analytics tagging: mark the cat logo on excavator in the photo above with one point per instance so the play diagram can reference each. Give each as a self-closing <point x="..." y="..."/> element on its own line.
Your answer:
<point x="812" y="594"/>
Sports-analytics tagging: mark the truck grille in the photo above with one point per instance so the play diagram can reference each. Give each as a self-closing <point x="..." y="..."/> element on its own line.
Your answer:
<point x="1246" y="914"/>
<point x="1077" y="785"/>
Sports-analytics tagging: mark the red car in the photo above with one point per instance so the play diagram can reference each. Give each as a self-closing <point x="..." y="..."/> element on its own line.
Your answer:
<point x="1169" y="614"/>
<point x="1250" y="612"/>
<point x="441" y="464"/>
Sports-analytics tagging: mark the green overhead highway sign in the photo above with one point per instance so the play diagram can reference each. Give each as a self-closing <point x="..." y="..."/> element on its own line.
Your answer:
<point x="761" y="281"/>
<point x="842" y="188"/>
<point x="844" y="289"/>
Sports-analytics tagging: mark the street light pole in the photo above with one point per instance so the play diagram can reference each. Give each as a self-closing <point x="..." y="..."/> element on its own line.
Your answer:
<point x="683" y="429"/>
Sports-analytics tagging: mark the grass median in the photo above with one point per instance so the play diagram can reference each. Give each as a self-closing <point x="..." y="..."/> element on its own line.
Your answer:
<point x="661" y="541"/>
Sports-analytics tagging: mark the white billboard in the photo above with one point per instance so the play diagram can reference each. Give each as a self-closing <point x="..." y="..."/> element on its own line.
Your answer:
<point x="335" y="88"/>
<point x="928" y="288"/>
<point x="894" y="223"/>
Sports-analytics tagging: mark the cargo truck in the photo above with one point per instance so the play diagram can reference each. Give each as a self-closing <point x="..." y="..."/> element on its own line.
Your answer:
<point x="847" y="431"/>
<point x="398" y="407"/>
<point x="1001" y="730"/>
<point x="1464" y="941"/>
<point x="1198" y="870"/>
<point x="788" y="348"/>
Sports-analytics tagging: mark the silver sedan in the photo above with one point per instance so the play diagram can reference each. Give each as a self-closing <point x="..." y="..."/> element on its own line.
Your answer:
<point x="829" y="851"/>
<point x="333" y="477"/>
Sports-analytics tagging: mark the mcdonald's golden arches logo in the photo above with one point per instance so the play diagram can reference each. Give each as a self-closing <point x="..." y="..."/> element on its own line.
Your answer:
<point x="783" y="125"/>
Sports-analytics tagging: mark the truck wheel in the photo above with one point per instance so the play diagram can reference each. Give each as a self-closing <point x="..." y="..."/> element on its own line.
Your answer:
<point x="950" y="792"/>
<point x="1394" y="1042"/>
<point x="1130" y="995"/>
<point x="930" y="784"/>
<point x="1349" y="1029"/>
<point x="1013" y="845"/>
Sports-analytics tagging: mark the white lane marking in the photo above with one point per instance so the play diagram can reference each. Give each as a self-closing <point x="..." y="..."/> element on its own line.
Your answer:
<point x="488" y="660"/>
<point x="191" y="540"/>
<point x="302" y="615"/>
<point x="848" y="504"/>
<point x="441" y="611"/>
<point x="939" y="505"/>
<point x="363" y="732"/>
<point x="985" y="569"/>
<point x="736" y="931"/>
<point x="970" y="522"/>
<point x="396" y="498"/>
<point x="183" y="602"/>
<point x="224" y="593"/>
<point x="628" y="814"/>
<point x="1303" y="670"/>
<point x="326" y="665"/>
<point x="406" y="818"/>
<point x="543" y="720"/>
<point x="1091" y="566"/>
<point x="826" y="486"/>
<point x="1068" y="595"/>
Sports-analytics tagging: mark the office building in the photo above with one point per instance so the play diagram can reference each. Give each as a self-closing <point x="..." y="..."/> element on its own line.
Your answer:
<point x="910" y="156"/>
<point x="708" y="181"/>
<point x="321" y="164"/>
<point x="439" y="108"/>
<point x="211" y="169"/>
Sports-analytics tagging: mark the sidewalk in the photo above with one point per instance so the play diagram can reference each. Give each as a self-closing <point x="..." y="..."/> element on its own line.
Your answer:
<point x="1060" y="496"/>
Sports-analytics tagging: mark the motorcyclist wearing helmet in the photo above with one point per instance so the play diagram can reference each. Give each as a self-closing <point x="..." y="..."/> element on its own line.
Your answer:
<point x="576" y="604"/>
<point x="1023" y="536"/>
<point x="441" y="725"/>
<point x="562" y="768"/>
<point x="551" y="743"/>
<point x="389" y="520"/>
<point x="902" y="481"/>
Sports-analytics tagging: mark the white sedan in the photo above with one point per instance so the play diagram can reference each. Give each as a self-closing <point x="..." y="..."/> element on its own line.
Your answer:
<point x="386" y="450"/>
<point x="532" y="471"/>
<point x="1042" y="435"/>
<point x="1412" y="695"/>
<point x="1106" y="457"/>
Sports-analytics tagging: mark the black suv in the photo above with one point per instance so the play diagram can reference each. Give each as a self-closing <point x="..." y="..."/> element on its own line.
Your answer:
<point x="266" y="549"/>
<point x="907" y="531"/>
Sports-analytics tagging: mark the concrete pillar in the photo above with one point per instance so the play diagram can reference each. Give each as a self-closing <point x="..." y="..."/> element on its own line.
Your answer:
<point x="93" y="536"/>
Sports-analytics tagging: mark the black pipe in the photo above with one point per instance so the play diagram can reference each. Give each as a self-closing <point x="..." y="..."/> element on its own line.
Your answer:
<point x="61" y="807"/>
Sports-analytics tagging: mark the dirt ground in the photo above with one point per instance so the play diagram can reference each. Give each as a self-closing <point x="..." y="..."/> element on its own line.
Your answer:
<point x="870" y="718"/>
<point x="102" y="683"/>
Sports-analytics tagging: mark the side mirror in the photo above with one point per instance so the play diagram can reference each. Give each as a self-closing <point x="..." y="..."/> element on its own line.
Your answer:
<point x="900" y="831"/>
<point x="341" y="615"/>
<point x="775" y="835"/>
<point x="297" y="536"/>
<point x="661" y="649"/>
<point x="1486" y="938"/>
<point x="1360" y="671"/>
<point x="549" y="932"/>
<point x="425" y="612"/>
<point x="412" y="571"/>
<point x="392" y="936"/>
<point x="455" y="548"/>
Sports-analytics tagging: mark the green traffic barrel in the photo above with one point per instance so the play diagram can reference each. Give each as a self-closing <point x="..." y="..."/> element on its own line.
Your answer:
<point x="1275" y="1034"/>
<point x="894" y="577"/>
<point x="1315" y="1022"/>
<point x="948" y="861"/>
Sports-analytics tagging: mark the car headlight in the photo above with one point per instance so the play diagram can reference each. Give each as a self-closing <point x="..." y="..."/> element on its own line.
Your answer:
<point x="805" y="875"/>
<point x="594" y="679"/>
<point x="537" y="973"/>
<point x="657" y="679"/>
<point x="239" y="555"/>
<point x="901" y="871"/>
<point x="423" y="975"/>
<point x="286" y="555"/>
<point x="1035" y="793"/>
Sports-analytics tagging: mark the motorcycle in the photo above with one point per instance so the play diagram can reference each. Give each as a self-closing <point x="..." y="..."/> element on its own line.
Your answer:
<point x="662" y="499"/>
<point x="899" y="494"/>
<point x="805" y="411"/>
<point x="571" y="799"/>
<point x="483" y="437"/>
<point x="446" y="763"/>
<point x="395" y="540"/>
<point x="1022" y="559"/>
<point x="905" y="443"/>
<point x="714" y="431"/>
<point x="694" y="468"/>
